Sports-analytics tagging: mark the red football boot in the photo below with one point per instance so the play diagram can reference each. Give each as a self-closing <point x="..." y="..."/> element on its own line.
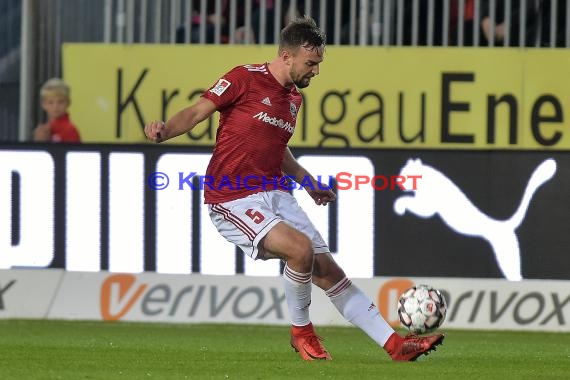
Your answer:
<point x="308" y="344"/>
<point x="410" y="347"/>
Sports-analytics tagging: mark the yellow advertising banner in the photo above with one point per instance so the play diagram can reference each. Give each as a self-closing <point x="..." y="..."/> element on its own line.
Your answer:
<point x="364" y="97"/>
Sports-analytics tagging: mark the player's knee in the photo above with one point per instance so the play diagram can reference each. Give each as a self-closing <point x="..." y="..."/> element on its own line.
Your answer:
<point x="327" y="269"/>
<point x="302" y="252"/>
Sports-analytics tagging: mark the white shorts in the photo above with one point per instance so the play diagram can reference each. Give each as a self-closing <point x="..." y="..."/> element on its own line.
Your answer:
<point x="246" y="221"/>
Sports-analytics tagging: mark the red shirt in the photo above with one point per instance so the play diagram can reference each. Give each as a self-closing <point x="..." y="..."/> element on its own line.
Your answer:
<point x="63" y="130"/>
<point x="257" y="119"/>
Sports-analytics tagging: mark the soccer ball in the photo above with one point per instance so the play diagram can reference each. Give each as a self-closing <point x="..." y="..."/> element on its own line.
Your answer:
<point x="422" y="309"/>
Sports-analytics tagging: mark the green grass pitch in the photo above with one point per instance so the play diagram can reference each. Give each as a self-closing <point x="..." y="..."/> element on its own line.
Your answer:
<point x="103" y="350"/>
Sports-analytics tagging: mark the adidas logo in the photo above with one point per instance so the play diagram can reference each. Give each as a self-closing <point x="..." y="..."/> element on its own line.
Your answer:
<point x="266" y="101"/>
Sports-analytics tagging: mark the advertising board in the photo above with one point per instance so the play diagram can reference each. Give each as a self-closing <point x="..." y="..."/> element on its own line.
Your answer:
<point x="498" y="214"/>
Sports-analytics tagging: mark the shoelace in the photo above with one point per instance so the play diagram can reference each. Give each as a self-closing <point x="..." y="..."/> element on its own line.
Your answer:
<point x="412" y="343"/>
<point x="315" y="342"/>
<point x="411" y="346"/>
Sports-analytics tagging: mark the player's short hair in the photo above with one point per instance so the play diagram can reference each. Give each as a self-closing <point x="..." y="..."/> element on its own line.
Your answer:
<point x="55" y="87"/>
<point x="302" y="32"/>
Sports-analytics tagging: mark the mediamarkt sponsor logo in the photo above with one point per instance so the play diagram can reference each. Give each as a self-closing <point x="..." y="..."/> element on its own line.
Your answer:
<point x="263" y="116"/>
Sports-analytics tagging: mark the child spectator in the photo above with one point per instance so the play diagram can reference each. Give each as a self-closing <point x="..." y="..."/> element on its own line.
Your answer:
<point x="55" y="99"/>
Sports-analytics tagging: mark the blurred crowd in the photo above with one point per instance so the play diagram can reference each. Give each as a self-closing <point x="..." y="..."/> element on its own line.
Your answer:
<point x="528" y="23"/>
<point x="478" y="23"/>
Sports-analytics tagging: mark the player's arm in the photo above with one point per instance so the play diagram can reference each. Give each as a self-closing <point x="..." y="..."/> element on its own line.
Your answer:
<point x="320" y="193"/>
<point x="182" y="122"/>
<point x="292" y="168"/>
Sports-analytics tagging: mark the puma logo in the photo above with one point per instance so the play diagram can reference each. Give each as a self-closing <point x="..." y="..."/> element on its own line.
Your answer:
<point x="437" y="194"/>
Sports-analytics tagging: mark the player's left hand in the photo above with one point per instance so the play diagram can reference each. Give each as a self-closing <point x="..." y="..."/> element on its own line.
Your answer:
<point x="322" y="196"/>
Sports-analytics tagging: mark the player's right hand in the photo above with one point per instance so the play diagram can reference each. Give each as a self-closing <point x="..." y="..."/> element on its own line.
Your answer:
<point x="155" y="131"/>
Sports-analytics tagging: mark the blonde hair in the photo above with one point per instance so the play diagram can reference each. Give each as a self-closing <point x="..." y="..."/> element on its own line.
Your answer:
<point x="55" y="86"/>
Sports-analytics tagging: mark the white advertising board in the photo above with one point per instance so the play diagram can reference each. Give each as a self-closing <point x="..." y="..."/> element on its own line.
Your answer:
<point x="537" y="305"/>
<point x="473" y="303"/>
<point x="28" y="293"/>
<point x="170" y="298"/>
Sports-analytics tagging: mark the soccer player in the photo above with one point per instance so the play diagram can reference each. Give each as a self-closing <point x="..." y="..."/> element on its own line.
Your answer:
<point x="248" y="201"/>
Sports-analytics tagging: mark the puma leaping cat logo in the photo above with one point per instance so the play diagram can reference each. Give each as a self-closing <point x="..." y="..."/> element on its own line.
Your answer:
<point x="437" y="194"/>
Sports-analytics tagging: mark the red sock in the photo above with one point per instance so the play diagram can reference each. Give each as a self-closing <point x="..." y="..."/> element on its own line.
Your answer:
<point x="393" y="342"/>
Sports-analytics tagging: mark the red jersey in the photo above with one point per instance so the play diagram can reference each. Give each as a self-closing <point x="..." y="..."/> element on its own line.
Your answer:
<point x="63" y="130"/>
<point x="257" y="119"/>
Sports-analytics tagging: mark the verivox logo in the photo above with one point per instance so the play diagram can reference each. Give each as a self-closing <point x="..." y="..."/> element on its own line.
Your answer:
<point x="118" y="295"/>
<point x="488" y="304"/>
<point x="182" y="299"/>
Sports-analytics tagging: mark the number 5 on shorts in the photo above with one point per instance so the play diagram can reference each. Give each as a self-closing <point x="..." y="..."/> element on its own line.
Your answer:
<point x="256" y="216"/>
